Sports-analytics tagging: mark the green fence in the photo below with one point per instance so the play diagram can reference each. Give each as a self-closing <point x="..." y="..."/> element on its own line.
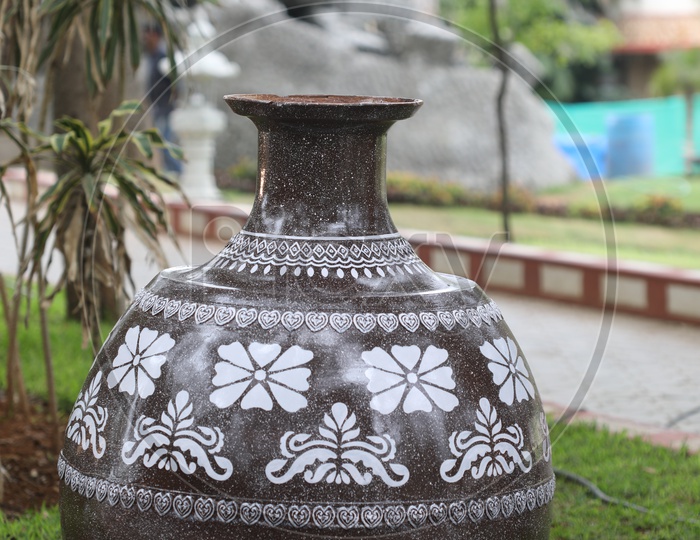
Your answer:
<point x="665" y="117"/>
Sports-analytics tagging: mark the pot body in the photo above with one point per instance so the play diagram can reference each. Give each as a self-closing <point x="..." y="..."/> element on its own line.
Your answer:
<point x="315" y="378"/>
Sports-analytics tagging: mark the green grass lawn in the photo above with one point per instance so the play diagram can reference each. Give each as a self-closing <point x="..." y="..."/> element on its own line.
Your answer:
<point x="666" y="482"/>
<point x="44" y="524"/>
<point x="634" y="242"/>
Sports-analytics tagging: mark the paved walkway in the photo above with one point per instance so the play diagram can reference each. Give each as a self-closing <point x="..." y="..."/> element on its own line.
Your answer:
<point x="646" y="379"/>
<point x="648" y="372"/>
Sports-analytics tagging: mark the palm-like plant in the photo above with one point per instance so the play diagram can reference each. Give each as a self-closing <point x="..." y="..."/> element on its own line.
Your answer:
<point x="101" y="191"/>
<point x="108" y="32"/>
<point x="103" y="37"/>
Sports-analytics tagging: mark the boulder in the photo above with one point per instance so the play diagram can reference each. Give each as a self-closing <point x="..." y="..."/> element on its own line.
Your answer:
<point x="453" y="137"/>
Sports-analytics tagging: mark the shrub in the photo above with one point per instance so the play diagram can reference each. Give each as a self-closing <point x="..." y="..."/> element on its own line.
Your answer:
<point x="520" y="198"/>
<point x="659" y="209"/>
<point x="586" y="211"/>
<point x="405" y="187"/>
<point x="242" y="176"/>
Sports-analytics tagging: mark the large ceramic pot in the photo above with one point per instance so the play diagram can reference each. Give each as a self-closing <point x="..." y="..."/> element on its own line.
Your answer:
<point x="314" y="379"/>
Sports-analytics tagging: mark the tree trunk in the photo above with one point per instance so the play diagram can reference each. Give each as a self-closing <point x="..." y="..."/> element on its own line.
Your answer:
<point x="71" y="97"/>
<point x="15" y="378"/>
<point x="501" y="120"/>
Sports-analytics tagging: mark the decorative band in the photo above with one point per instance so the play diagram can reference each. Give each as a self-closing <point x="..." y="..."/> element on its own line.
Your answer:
<point x="299" y="515"/>
<point x="252" y="253"/>
<point x="315" y="320"/>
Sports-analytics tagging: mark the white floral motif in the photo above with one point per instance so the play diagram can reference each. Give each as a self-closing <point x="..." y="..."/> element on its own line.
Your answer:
<point x="423" y="381"/>
<point x="254" y="374"/>
<point x="492" y="451"/>
<point x="337" y="457"/>
<point x="87" y="421"/>
<point x="508" y="368"/>
<point x="168" y="443"/>
<point x="139" y="360"/>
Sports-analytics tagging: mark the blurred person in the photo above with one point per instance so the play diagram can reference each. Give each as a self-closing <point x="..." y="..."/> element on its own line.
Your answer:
<point x="161" y="91"/>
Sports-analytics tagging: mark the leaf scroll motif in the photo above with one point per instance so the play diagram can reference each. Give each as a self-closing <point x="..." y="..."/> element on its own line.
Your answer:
<point x="338" y="455"/>
<point x="490" y="450"/>
<point x="88" y="419"/>
<point x="173" y="444"/>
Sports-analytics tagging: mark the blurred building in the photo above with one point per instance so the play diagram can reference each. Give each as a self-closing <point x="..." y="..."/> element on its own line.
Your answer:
<point x="648" y="28"/>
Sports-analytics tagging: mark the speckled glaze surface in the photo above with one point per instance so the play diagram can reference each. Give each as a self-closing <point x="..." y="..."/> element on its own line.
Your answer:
<point x="315" y="378"/>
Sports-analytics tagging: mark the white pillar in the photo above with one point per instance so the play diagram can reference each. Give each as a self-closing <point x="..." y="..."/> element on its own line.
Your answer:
<point x="197" y="124"/>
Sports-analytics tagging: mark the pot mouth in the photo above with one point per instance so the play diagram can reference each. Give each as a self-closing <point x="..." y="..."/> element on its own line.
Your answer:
<point x="326" y="107"/>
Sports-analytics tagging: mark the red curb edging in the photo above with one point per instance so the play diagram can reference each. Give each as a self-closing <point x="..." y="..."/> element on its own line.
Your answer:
<point x="640" y="288"/>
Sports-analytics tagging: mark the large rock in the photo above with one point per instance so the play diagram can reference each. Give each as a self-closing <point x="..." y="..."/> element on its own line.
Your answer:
<point x="454" y="136"/>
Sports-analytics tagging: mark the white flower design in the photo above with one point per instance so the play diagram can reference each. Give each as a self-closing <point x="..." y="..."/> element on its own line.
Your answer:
<point x="509" y="370"/>
<point x="88" y="419"/>
<point x="139" y="360"/>
<point x="258" y="372"/>
<point x="423" y="381"/>
<point x="168" y="443"/>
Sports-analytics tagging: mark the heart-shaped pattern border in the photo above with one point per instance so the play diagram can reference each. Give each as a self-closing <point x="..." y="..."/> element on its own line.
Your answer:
<point x="299" y="515"/>
<point x="226" y="511"/>
<point x="269" y="319"/>
<point x="224" y="315"/>
<point x="204" y="509"/>
<point x="417" y="514"/>
<point x="246" y="316"/>
<point x="348" y="516"/>
<point x="390" y="517"/>
<point x="127" y="496"/>
<point x="183" y="504"/>
<point x="274" y="514"/>
<point x="340" y="322"/>
<point x="251" y="513"/>
<point x="388" y="321"/>
<point x="316" y="321"/>
<point x="159" y="305"/>
<point x="204" y="313"/>
<point x="144" y="499"/>
<point x="292" y="320"/>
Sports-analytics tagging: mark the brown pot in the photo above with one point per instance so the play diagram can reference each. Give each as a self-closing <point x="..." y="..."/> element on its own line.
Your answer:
<point x="314" y="379"/>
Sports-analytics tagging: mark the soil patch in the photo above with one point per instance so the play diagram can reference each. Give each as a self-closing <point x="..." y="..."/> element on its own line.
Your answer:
<point x="29" y="462"/>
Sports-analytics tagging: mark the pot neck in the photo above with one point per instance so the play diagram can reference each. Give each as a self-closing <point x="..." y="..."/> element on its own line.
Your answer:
<point x="321" y="164"/>
<point x="321" y="181"/>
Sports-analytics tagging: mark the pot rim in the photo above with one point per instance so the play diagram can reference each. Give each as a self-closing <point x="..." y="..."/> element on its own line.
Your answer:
<point x="329" y="107"/>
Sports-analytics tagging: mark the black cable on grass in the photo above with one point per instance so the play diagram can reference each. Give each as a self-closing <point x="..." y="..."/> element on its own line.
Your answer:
<point x="600" y="494"/>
